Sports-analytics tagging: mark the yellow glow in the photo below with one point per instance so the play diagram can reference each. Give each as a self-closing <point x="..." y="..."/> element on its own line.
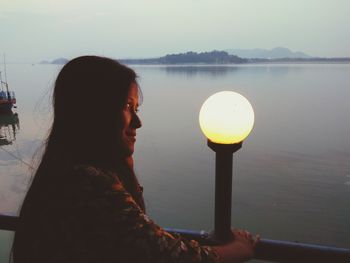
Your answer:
<point x="226" y="117"/>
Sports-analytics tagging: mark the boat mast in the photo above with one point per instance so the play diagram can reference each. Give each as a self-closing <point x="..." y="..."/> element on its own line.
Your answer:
<point x="6" y="85"/>
<point x="1" y="82"/>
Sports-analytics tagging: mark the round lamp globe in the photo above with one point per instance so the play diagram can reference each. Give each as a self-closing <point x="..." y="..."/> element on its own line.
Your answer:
<point x="226" y="117"/>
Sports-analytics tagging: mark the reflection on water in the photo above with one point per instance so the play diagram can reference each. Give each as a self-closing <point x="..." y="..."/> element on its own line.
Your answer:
<point x="217" y="71"/>
<point x="10" y="189"/>
<point x="208" y="71"/>
<point x="9" y="126"/>
<point x="291" y="178"/>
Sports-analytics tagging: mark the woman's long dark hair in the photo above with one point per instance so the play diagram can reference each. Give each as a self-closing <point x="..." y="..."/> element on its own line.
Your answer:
<point x="89" y="95"/>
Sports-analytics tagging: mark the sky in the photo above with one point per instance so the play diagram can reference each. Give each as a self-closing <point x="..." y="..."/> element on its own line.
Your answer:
<point x="36" y="30"/>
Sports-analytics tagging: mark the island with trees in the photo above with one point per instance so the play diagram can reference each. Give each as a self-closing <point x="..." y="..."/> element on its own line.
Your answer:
<point x="220" y="58"/>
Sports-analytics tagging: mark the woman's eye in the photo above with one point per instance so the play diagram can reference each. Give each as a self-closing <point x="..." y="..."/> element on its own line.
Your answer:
<point x="130" y="107"/>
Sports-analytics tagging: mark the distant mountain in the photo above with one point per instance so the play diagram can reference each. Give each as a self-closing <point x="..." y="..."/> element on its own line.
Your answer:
<point x="278" y="52"/>
<point x="59" y="61"/>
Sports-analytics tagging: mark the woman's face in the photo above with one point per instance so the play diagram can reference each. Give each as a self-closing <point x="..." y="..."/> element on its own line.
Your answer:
<point x="130" y="120"/>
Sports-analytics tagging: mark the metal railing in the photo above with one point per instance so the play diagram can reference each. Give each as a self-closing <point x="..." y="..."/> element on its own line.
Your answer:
<point x="267" y="249"/>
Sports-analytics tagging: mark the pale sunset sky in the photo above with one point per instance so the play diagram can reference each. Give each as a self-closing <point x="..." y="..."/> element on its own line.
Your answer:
<point x="36" y="30"/>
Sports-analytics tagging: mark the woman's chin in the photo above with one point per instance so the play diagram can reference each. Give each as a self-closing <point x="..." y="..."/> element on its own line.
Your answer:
<point x="128" y="150"/>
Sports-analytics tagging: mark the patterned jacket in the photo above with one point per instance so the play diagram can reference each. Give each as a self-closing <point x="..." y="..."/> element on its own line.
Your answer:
<point x="95" y="220"/>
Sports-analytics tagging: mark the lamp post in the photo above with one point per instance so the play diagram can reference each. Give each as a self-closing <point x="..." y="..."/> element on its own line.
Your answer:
<point x="226" y="119"/>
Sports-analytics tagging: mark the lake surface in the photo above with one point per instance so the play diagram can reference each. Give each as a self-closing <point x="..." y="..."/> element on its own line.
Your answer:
<point x="291" y="178"/>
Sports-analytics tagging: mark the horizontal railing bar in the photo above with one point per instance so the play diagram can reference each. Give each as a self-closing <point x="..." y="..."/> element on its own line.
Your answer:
<point x="8" y="222"/>
<point x="280" y="251"/>
<point x="267" y="249"/>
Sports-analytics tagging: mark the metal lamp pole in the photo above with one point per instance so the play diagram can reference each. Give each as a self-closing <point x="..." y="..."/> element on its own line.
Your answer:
<point x="223" y="188"/>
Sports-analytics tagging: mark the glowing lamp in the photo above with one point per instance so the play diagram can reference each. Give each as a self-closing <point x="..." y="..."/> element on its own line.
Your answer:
<point x="226" y="117"/>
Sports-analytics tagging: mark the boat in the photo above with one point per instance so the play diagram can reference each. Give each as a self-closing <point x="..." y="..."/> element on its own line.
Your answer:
<point x="7" y="97"/>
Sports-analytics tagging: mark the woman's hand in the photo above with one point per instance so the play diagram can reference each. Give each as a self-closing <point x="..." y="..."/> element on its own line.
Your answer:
<point x="240" y="249"/>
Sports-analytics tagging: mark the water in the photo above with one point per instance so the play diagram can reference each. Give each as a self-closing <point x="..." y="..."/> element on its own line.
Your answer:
<point x="291" y="178"/>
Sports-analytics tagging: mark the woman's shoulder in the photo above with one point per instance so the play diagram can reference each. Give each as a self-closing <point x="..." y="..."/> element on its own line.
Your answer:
<point x="89" y="177"/>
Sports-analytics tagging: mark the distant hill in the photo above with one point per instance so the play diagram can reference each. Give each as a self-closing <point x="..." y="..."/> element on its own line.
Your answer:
<point x="275" y="53"/>
<point x="213" y="57"/>
<point x="223" y="57"/>
<point x="58" y="61"/>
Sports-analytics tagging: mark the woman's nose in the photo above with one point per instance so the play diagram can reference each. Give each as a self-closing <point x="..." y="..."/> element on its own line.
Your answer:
<point x="135" y="121"/>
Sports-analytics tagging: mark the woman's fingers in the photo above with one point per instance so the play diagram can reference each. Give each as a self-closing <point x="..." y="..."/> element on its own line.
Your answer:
<point x="247" y="235"/>
<point x="257" y="240"/>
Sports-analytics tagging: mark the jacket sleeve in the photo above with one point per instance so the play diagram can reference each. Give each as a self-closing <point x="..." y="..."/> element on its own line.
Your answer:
<point x="113" y="225"/>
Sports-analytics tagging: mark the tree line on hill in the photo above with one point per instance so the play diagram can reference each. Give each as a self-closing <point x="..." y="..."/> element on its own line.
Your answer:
<point x="214" y="57"/>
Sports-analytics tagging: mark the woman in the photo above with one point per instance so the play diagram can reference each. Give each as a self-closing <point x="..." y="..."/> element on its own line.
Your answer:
<point x="85" y="203"/>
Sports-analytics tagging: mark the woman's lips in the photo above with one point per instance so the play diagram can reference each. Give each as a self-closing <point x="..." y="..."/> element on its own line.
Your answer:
<point x="131" y="135"/>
